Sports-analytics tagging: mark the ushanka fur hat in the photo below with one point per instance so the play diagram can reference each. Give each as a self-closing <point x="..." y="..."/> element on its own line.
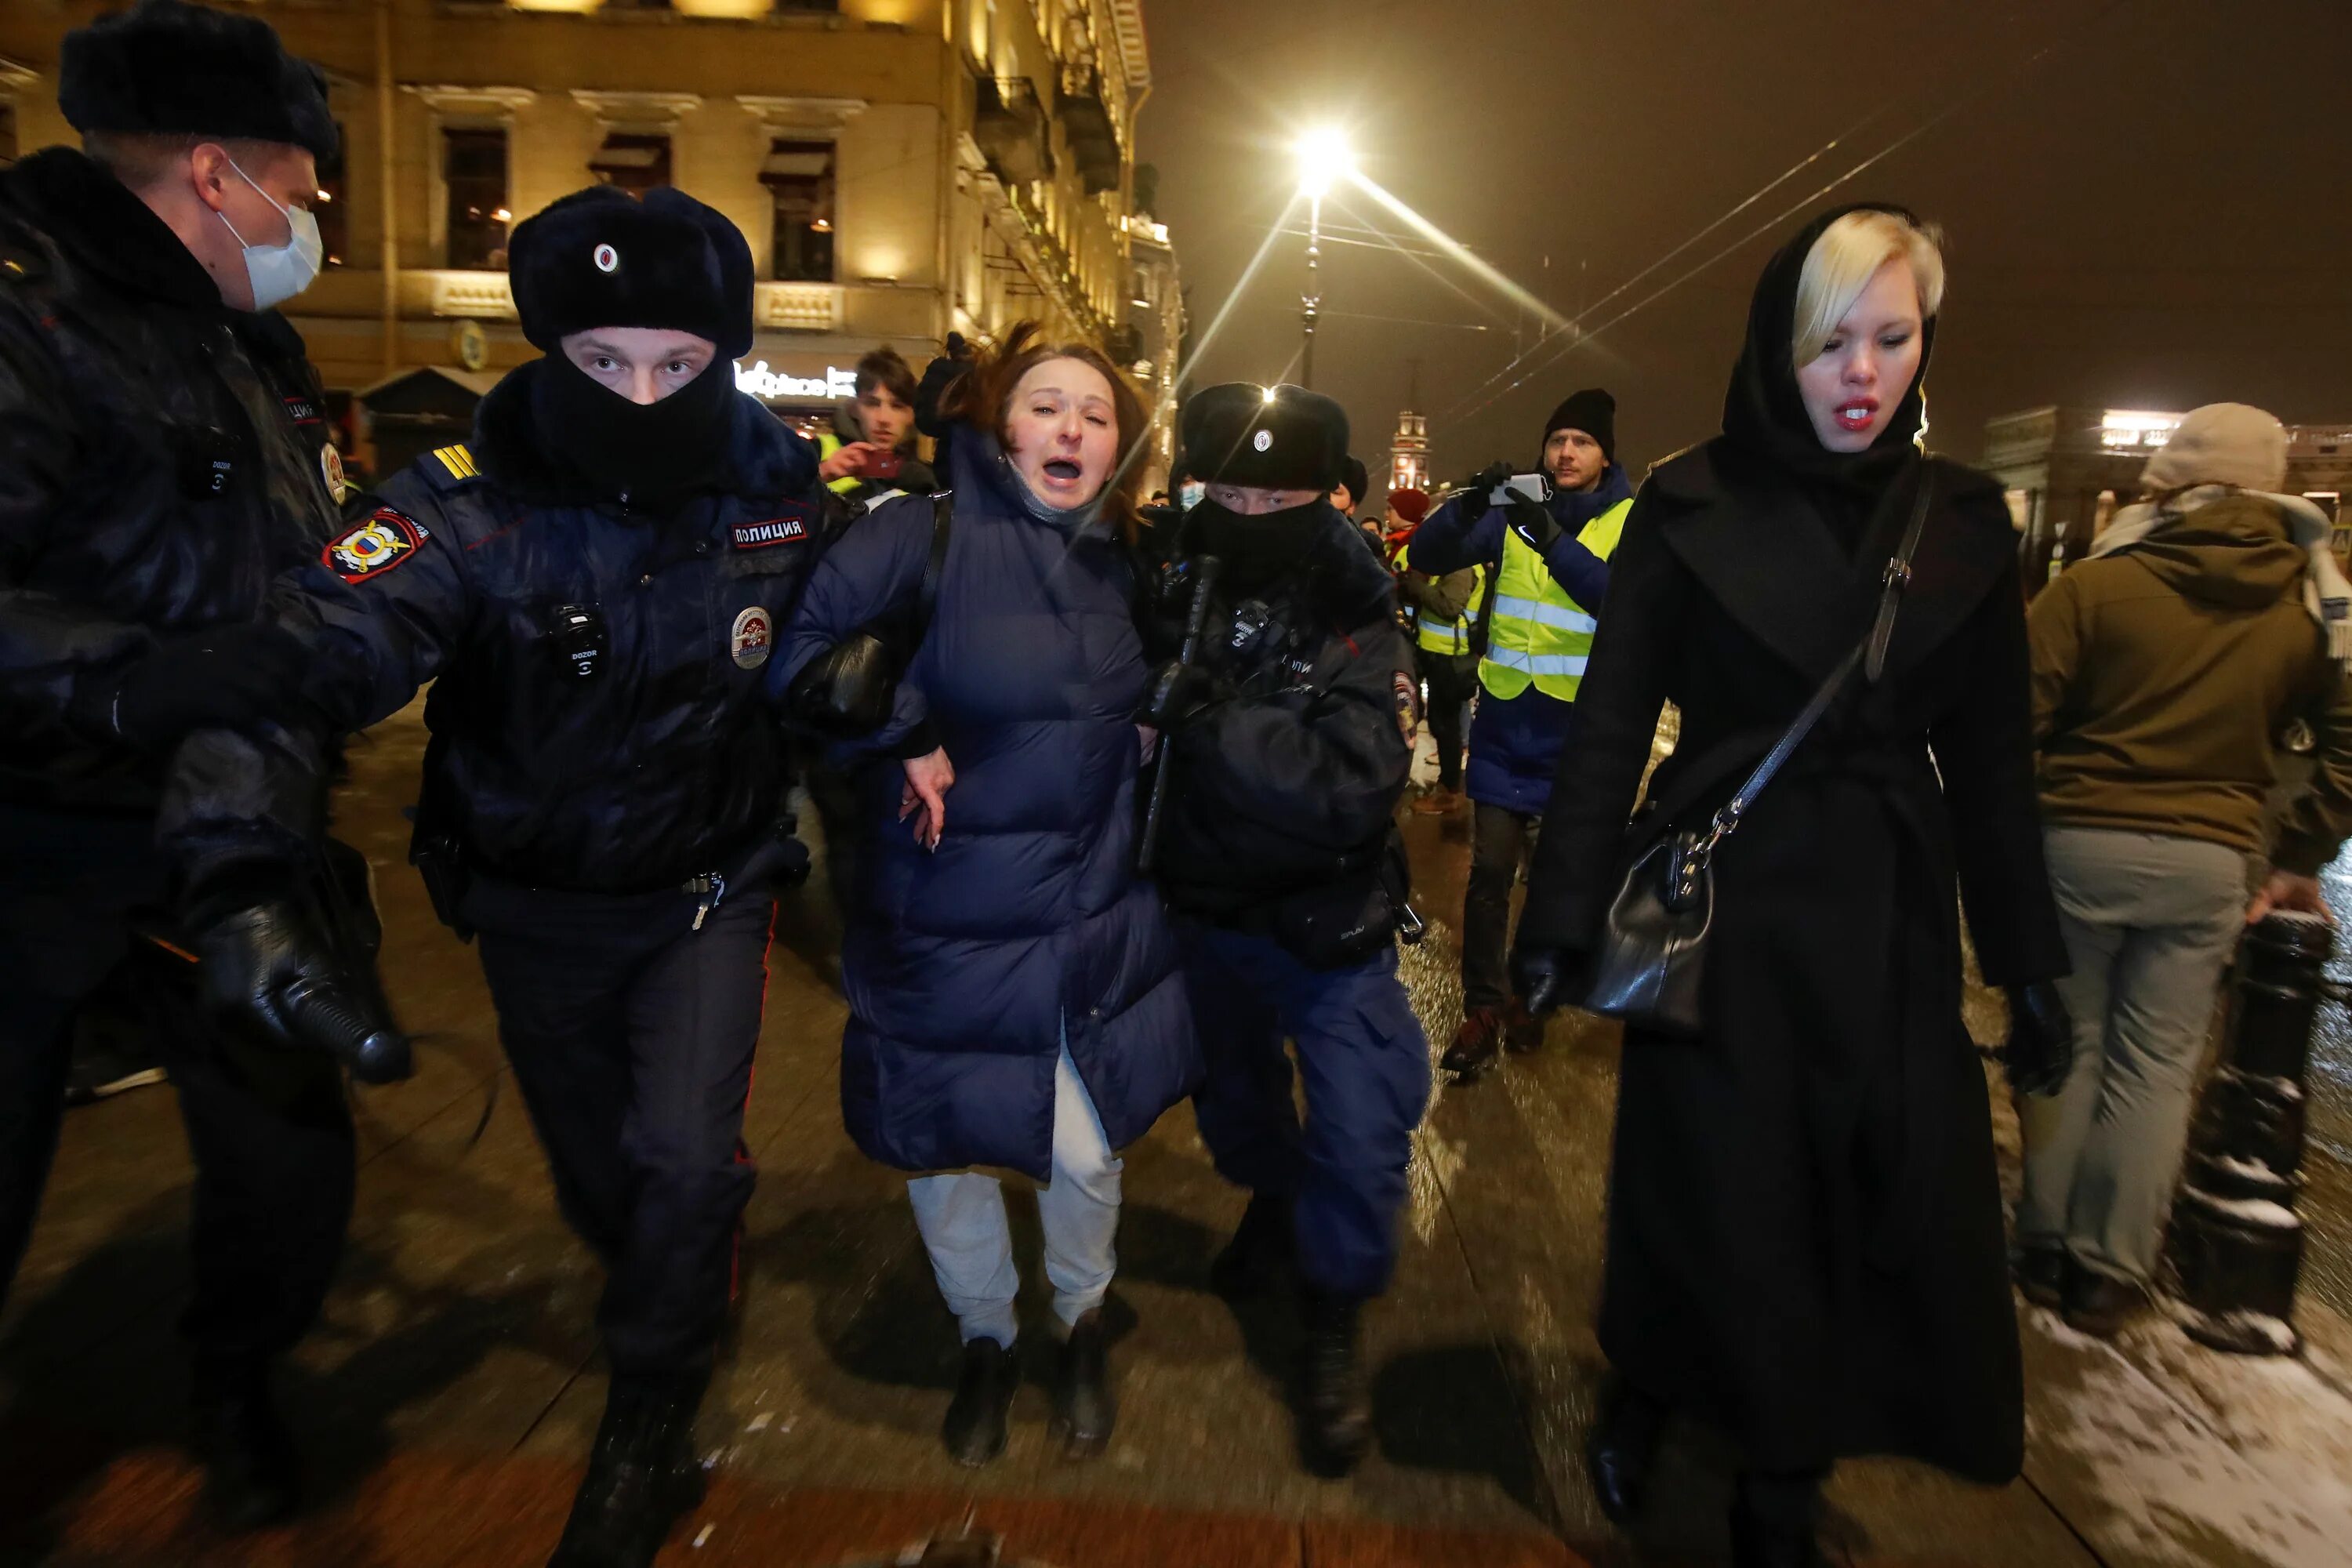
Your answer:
<point x="1282" y="438"/>
<point x="601" y="257"/>
<point x="165" y="68"/>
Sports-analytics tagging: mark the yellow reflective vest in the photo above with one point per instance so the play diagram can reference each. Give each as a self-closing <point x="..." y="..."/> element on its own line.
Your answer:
<point x="1448" y="637"/>
<point x="1537" y="636"/>
<point x="828" y="444"/>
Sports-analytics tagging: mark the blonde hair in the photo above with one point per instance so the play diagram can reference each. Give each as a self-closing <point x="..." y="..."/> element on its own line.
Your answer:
<point x="1842" y="263"/>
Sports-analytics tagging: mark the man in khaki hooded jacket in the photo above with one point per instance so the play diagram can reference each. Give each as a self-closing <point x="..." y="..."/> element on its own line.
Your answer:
<point x="2165" y="667"/>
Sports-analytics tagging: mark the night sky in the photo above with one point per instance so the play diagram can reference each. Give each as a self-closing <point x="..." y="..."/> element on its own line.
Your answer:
<point x="2154" y="213"/>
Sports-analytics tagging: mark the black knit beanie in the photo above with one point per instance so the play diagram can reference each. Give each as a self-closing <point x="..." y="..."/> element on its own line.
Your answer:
<point x="1593" y="411"/>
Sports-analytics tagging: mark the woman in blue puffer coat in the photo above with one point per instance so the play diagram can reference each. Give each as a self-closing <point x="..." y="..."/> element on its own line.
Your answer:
<point x="1012" y="981"/>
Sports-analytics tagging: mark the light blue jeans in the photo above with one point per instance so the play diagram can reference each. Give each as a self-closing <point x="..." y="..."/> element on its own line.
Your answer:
<point x="962" y="1218"/>
<point x="2151" y="921"/>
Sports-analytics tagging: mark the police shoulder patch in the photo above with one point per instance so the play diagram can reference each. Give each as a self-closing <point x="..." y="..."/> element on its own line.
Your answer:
<point x="1408" y="707"/>
<point x="790" y="526"/>
<point x="385" y="541"/>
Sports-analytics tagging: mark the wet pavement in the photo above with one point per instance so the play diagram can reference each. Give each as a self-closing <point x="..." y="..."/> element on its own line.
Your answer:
<point x="446" y="1401"/>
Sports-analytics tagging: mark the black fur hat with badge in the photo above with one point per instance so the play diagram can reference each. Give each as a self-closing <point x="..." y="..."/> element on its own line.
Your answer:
<point x="1281" y="439"/>
<point x="601" y="257"/>
<point x="166" y="67"/>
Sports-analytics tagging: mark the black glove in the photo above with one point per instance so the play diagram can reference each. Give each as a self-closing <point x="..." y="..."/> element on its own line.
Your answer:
<point x="1482" y="484"/>
<point x="1178" y="691"/>
<point x="231" y="678"/>
<point x="269" y="973"/>
<point x="2040" y="1039"/>
<point x="1532" y="524"/>
<point x="1545" y="978"/>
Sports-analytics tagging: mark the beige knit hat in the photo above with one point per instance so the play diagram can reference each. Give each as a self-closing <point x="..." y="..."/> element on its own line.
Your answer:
<point x="2221" y="444"/>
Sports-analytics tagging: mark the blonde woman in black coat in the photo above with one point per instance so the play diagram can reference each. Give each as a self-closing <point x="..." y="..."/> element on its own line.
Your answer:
<point x="1805" y="1239"/>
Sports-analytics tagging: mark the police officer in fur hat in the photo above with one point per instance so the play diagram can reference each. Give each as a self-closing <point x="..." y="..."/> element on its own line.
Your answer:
<point x="1288" y="743"/>
<point x="160" y="460"/>
<point x="593" y="584"/>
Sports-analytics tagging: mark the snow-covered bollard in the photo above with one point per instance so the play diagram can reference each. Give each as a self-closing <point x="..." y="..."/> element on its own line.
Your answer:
<point x="2237" y="1242"/>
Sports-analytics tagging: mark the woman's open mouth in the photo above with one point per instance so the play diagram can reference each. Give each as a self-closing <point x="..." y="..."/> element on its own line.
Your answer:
<point x="1062" y="469"/>
<point x="1858" y="416"/>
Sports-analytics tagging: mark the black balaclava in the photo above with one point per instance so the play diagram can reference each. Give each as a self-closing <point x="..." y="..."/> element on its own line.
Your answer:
<point x="651" y="455"/>
<point x="1258" y="548"/>
<point x="1764" y="415"/>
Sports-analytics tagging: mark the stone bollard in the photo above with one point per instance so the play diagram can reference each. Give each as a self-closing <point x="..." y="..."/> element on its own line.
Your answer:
<point x="2236" y="1240"/>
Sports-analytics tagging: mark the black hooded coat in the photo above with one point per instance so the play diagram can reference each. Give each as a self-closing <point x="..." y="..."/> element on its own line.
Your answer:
<point x="1805" y="1238"/>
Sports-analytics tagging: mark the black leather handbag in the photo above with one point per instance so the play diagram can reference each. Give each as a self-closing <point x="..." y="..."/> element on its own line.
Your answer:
<point x="850" y="690"/>
<point x="1651" y="959"/>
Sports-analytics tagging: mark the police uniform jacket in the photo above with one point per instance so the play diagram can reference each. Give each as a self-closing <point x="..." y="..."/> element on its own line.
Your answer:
<point x="1285" y="784"/>
<point x="161" y="462"/>
<point x="596" y="713"/>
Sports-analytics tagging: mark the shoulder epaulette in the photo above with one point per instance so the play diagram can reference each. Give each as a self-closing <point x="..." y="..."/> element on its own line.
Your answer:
<point x="449" y="467"/>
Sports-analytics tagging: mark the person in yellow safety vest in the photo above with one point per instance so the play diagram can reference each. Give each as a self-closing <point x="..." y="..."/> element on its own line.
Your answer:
<point x="880" y="423"/>
<point x="1548" y="568"/>
<point x="1444" y="609"/>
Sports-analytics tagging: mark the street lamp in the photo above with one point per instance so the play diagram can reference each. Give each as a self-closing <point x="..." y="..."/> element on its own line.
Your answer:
<point x="1323" y="157"/>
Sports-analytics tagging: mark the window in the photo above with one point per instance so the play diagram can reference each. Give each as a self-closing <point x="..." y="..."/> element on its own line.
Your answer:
<point x="799" y="177"/>
<point x="635" y="162"/>
<point x="474" y="168"/>
<point x="333" y="215"/>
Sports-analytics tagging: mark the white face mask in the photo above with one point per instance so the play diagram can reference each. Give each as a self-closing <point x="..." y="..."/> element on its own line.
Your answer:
<point x="1190" y="492"/>
<point x="278" y="272"/>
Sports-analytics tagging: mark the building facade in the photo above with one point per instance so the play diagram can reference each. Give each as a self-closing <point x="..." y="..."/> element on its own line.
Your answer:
<point x="1408" y="453"/>
<point x="902" y="169"/>
<point x="2069" y="469"/>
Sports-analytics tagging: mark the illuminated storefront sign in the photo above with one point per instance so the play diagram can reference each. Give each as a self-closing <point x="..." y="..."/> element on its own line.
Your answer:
<point x="775" y="386"/>
<point x="2123" y="429"/>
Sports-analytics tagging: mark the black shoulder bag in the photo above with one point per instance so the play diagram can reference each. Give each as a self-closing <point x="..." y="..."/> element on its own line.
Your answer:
<point x="1646" y="967"/>
<point x="850" y="690"/>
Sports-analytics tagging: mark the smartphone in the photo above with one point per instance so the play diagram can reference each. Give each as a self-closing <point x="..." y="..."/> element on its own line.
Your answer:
<point x="878" y="466"/>
<point x="1536" y="488"/>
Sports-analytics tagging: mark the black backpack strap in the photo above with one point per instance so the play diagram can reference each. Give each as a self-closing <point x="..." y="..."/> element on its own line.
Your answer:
<point x="927" y="596"/>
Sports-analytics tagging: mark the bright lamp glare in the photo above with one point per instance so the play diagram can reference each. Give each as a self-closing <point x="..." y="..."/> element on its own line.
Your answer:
<point x="1323" y="158"/>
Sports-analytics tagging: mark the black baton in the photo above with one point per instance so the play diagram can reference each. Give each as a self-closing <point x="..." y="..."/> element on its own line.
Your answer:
<point x="1196" y="620"/>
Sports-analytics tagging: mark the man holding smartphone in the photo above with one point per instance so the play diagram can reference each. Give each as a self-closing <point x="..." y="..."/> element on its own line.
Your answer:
<point x="869" y="455"/>
<point x="1546" y="561"/>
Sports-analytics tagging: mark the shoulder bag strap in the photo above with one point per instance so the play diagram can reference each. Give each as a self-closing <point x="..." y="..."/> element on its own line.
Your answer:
<point x="926" y="596"/>
<point x="1870" y="653"/>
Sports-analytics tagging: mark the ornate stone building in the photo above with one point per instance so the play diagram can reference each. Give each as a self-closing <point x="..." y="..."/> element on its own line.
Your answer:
<point x="903" y="168"/>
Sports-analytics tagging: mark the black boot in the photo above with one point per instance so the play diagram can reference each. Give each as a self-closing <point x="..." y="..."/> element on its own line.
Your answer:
<point x="1619" y="1455"/>
<point x="1253" y="1262"/>
<point x="1084" y="1407"/>
<point x="642" y="1474"/>
<point x="1335" y="1413"/>
<point x="974" y="1431"/>
<point x="1775" y="1522"/>
<point x="252" y="1475"/>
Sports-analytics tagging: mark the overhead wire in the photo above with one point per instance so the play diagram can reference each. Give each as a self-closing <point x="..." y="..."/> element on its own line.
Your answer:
<point x="1584" y="336"/>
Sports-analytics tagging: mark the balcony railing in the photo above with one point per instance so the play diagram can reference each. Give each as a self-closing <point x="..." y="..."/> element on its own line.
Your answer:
<point x="485" y="296"/>
<point x="800" y="307"/>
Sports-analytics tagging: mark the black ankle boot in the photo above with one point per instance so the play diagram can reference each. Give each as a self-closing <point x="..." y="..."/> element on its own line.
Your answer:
<point x="1335" y="1412"/>
<point x="1619" y="1455"/>
<point x="974" y="1430"/>
<point x="1775" y="1522"/>
<point x="253" y="1475"/>
<point x="1253" y="1262"/>
<point x="642" y="1474"/>
<point x="1084" y="1407"/>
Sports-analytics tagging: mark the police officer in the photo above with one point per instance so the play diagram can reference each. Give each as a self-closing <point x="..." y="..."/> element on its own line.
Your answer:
<point x="1288" y="744"/>
<point x="593" y="584"/>
<point x="1546" y="571"/>
<point x="155" y="475"/>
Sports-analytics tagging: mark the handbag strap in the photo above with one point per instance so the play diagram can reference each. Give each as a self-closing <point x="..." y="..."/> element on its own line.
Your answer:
<point x="1871" y="652"/>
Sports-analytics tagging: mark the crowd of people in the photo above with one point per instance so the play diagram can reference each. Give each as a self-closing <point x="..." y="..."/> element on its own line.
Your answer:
<point x="1110" y="800"/>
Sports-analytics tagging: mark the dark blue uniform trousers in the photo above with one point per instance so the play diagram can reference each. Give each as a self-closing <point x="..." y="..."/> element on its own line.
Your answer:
<point x="1365" y="1064"/>
<point x="270" y="1130"/>
<point x="631" y="1035"/>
